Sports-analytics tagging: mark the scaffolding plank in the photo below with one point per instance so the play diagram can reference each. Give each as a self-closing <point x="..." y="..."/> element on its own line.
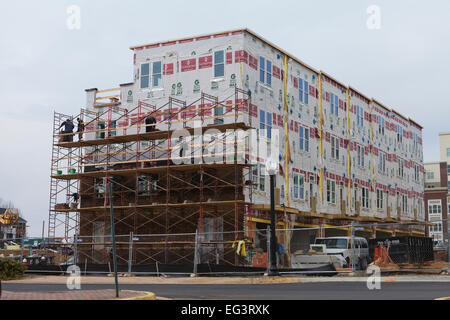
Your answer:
<point x="154" y="135"/>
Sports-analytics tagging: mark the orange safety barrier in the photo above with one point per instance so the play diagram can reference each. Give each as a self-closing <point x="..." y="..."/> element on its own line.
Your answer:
<point x="260" y="260"/>
<point x="381" y="256"/>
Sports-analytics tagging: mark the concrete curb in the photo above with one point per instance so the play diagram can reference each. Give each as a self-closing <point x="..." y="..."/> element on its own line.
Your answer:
<point x="274" y="280"/>
<point x="145" y="296"/>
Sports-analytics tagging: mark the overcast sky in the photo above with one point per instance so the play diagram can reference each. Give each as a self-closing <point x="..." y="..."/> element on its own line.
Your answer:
<point x="45" y="66"/>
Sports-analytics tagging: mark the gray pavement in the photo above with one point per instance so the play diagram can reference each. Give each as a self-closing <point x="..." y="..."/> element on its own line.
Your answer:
<point x="347" y="290"/>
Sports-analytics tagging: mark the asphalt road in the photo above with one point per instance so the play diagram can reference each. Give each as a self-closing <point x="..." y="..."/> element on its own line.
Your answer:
<point x="281" y="291"/>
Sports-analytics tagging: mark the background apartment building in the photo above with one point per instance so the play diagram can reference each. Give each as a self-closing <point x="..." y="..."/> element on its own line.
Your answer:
<point x="444" y="143"/>
<point x="437" y="192"/>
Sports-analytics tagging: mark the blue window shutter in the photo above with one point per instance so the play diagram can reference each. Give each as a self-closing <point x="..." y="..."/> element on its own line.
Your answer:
<point x="269" y="125"/>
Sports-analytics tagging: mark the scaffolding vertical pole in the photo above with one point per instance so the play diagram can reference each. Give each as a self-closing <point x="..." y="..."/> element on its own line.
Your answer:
<point x="130" y="252"/>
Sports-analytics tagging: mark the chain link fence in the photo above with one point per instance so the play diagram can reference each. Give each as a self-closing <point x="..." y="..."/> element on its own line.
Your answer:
<point x="306" y="250"/>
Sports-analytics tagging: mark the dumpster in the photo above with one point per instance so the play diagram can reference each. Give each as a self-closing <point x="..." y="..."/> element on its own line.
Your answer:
<point x="405" y="249"/>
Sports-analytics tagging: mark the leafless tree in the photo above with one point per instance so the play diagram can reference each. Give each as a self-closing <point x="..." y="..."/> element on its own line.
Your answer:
<point x="6" y="204"/>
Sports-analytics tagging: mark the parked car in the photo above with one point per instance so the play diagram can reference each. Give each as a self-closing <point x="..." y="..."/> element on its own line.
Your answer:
<point x="343" y="246"/>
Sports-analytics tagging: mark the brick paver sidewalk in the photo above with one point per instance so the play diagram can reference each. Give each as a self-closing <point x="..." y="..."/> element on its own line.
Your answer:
<point x="106" y="294"/>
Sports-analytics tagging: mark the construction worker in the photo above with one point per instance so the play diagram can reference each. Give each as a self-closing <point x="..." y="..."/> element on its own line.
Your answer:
<point x="68" y="128"/>
<point x="150" y="124"/>
<point x="80" y="129"/>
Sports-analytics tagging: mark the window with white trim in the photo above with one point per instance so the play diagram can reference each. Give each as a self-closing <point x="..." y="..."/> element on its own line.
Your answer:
<point x="331" y="191"/>
<point x="434" y="209"/>
<point x="416" y="173"/>
<point x="380" y="125"/>
<point x="359" y="116"/>
<point x="399" y="134"/>
<point x="306" y="87"/>
<point x="334" y="147"/>
<point x="365" y="197"/>
<point x="360" y="153"/>
<point x="331" y="103"/>
<point x="157" y="74"/>
<point x="334" y="104"/>
<point x="404" y="203"/>
<point x="258" y="176"/>
<point x="265" y="71"/>
<point x="255" y="176"/>
<point x="219" y="64"/>
<point x="262" y="122"/>
<point x="379" y="199"/>
<point x="269" y="125"/>
<point x="300" y="89"/>
<point x="400" y="171"/>
<point x="268" y="72"/>
<point x="382" y="162"/>
<point x="145" y="75"/>
<point x="303" y="138"/>
<point x="299" y="186"/>
<point x="262" y="177"/>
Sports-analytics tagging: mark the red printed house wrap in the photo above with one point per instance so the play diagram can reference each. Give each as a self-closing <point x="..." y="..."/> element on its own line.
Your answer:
<point x="190" y="112"/>
<point x="276" y="72"/>
<point x="253" y="110"/>
<point x="242" y="105"/>
<point x="241" y="56"/>
<point x="280" y="120"/>
<point x="168" y="69"/>
<point x="188" y="65"/>
<point x="205" y="62"/>
<point x="228" y="105"/>
<point x="229" y="57"/>
<point x="204" y="109"/>
<point x="253" y="62"/>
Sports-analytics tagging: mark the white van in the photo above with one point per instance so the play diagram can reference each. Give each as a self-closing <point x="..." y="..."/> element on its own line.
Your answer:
<point x="343" y="246"/>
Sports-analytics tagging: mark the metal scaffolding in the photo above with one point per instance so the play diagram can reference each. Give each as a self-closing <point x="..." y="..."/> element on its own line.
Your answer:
<point x="152" y="192"/>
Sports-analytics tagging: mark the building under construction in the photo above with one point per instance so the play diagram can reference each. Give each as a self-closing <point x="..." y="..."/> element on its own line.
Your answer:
<point x="183" y="148"/>
<point x="12" y="225"/>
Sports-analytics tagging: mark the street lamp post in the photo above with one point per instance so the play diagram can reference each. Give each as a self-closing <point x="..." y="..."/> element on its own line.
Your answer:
<point x="271" y="167"/>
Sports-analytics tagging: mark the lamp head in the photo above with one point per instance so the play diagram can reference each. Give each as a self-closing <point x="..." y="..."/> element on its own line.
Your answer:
<point x="271" y="166"/>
